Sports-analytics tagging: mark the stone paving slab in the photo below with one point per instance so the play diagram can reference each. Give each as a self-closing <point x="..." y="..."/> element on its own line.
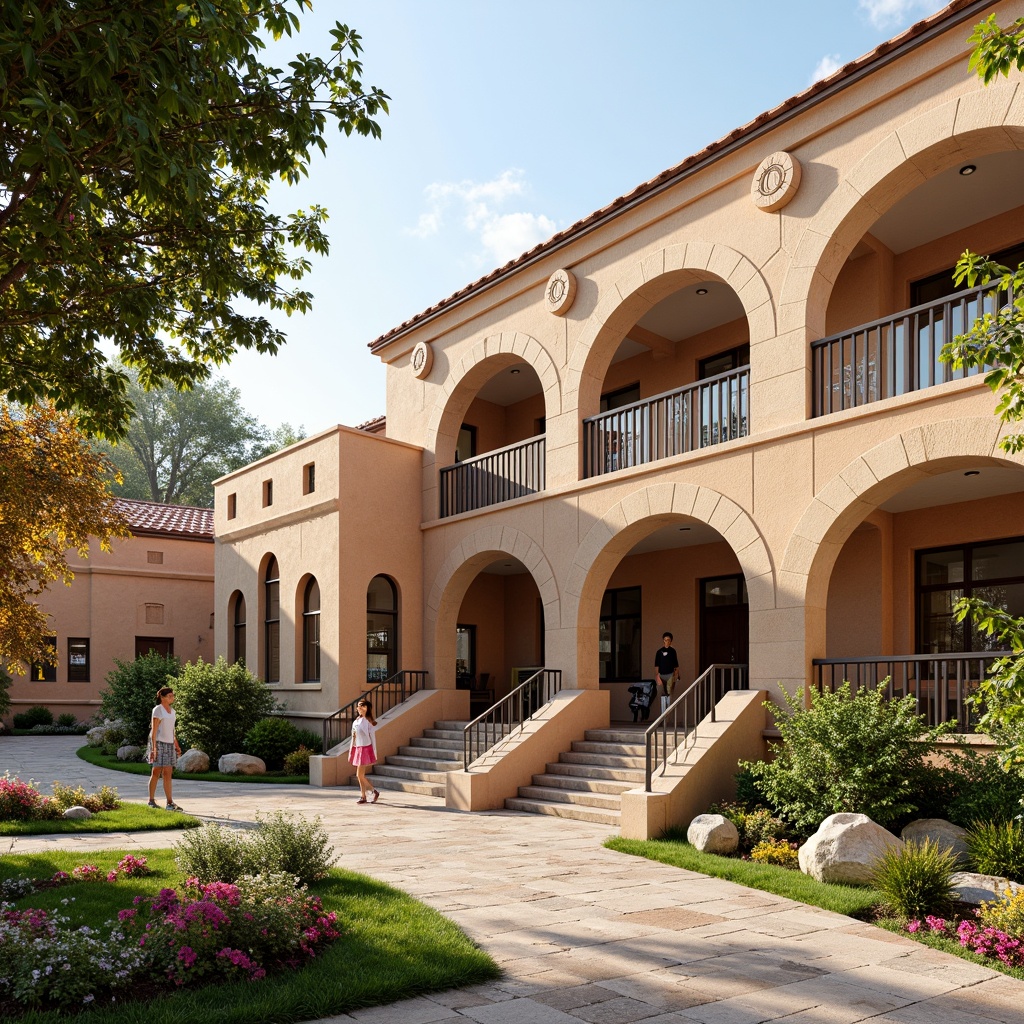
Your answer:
<point x="584" y="934"/>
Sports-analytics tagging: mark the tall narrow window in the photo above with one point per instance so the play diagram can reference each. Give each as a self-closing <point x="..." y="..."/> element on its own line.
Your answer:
<point x="238" y="628"/>
<point x="311" y="632"/>
<point x="619" y="637"/>
<point x="232" y="506"/>
<point x="78" y="659"/>
<point x="268" y="493"/>
<point x="45" y="671"/>
<point x="309" y="478"/>
<point x="381" y="630"/>
<point x="272" y="624"/>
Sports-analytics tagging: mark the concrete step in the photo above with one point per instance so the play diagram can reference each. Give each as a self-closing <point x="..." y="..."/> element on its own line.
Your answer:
<point x="615" y="736"/>
<point x="579" y="798"/>
<point x="619" y="749"/>
<point x="408" y="774"/>
<point x="590" y="771"/>
<point x="435" y="743"/>
<point x="602" y="817"/>
<point x="423" y="763"/>
<point x="444" y="734"/>
<point x="584" y="783"/>
<point x="447" y="726"/>
<point x="383" y="783"/>
<point x="433" y="753"/>
<point x="602" y="760"/>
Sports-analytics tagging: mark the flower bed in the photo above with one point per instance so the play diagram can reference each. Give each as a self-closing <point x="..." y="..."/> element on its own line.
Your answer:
<point x="985" y="941"/>
<point x="22" y="801"/>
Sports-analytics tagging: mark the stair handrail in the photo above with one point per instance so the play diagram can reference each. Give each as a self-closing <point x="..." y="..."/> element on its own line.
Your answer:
<point x="695" y="703"/>
<point x="403" y="684"/>
<point x="514" y="709"/>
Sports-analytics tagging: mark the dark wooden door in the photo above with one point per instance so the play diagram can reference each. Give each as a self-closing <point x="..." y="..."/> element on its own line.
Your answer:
<point x="724" y="626"/>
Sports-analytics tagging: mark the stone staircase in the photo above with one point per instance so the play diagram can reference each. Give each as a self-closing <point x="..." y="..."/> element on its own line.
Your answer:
<point x="588" y="781"/>
<point x="422" y="767"/>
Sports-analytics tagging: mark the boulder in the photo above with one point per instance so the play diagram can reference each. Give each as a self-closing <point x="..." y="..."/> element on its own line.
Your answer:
<point x="77" y="812"/>
<point x="193" y="760"/>
<point x="846" y="849"/>
<point x="241" y="764"/>
<point x="974" y="888"/>
<point x="129" y="752"/>
<point x="713" y="833"/>
<point x="944" y="833"/>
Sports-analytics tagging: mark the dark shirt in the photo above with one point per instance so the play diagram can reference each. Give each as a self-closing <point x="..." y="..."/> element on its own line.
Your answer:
<point x="666" y="661"/>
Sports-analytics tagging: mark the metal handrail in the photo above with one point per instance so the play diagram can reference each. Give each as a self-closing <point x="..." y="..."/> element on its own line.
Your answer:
<point x="383" y="696"/>
<point x="703" y="413"/>
<point x="496" y="476"/>
<point x="514" y="709"/>
<point x="941" y="684"/>
<point x="694" y="704"/>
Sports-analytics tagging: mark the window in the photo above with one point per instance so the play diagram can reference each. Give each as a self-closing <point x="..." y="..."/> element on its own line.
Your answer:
<point x="622" y="396"/>
<point x="937" y="286"/>
<point x="381" y="629"/>
<point x="44" y="671"/>
<point x="993" y="571"/>
<point x="155" y="557"/>
<point x="309" y="478"/>
<point x="268" y="493"/>
<point x="311" y="632"/>
<point x="232" y="506"/>
<point x="466" y="447"/>
<point x="238" y="629"/>
<point x="465" y="656"/>
<point x="78" y="659"/>
<point x="724" y="362"/>
<point x="272" y="624"/>
<point x="154" y="645"/>
<point x="620" y="634"/>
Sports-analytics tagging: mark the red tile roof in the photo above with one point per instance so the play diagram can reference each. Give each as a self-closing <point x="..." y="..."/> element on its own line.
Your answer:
<point x="375" y="426"/>
<point x="150" y="517"/>
<point x="921" y="32"/>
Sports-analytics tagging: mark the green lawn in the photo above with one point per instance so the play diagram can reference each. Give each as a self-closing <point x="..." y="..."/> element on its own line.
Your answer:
<point x="394" y="947"/>
<point x="127" y="818"/>
<point x="96" y="756"/>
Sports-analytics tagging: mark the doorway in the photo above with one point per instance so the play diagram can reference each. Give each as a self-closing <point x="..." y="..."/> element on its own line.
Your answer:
<point x="724" y="622"/>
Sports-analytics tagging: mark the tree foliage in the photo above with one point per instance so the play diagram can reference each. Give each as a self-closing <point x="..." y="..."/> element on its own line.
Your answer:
<point x="997" y="50"/>
<point x="139" y="140"/>
<point x="54" y="497"/>
<point x="130" y="693"/>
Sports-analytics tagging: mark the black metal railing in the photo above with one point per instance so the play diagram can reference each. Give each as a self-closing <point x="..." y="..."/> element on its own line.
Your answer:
<point x="501" y="475"/>
<point x="704" y="413"/>
<point x="940" y="683"/>
<point x="383" y="697"/>
<point x="510" y="713"/>
<point x="897" y="354"/>
<point x="677" y="724"/>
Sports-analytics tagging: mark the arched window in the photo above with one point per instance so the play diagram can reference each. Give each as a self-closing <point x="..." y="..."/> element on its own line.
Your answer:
<point x="311" y="632"/>
<point x="238" y="628"/>
<point x="272" y="624"/>
<point x="381" y="629"/>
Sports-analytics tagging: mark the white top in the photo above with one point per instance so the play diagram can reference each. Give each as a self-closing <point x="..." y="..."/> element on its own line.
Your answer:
<point x="165" y="730"/>
<point x="363" y="734"/>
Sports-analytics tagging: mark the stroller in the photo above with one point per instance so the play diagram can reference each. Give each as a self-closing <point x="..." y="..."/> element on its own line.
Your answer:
<point x="641" y="698"/>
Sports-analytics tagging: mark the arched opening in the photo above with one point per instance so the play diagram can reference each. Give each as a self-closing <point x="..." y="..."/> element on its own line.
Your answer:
<point x="381" y="629"/>
<point x="236" y="616"/>
<point x="272" y="622"/>
<point x="311" y="631"/>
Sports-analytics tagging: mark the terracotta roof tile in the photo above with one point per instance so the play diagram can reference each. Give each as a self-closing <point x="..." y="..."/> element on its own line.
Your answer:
<point x="151" y="517"/>
<point x="374" y="426"/>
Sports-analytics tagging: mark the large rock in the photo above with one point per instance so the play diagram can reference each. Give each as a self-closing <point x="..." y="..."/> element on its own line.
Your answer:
<point x="713" y="833"/>
<point x="241" y="764"/>
<point x="77" y="812"/>
<point x="846" y="849"/>
<point x="944" y="834"/>
<point x="974" y="888"/>
<point x="193" y="760"/>
<point x="129" y="752"/>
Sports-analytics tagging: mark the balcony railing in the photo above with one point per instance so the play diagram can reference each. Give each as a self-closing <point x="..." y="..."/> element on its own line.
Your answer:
<point x="898" y="354"/>
<point x="940" y="683"/>
<point x="704" y="413"/>
<point x="497" y="476"/>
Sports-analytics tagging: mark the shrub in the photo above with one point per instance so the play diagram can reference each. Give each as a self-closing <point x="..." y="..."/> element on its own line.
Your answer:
<point x="1005" y="914"/>
<point x="211" y="853"/>
<point x="297" y="762"/>
<point x="22" y="801"/>
<point x="66" y="720"/>
<point x="775" y="851"/>
<point x="312" y="741"/>
<point x="967" y="786"/>
<point x="130" y="693"/>
<point x="218" y="704"/>
<point x="845" y="752"/>
<point x="104" y="799"/>
<point x="270" y="739"/>
<point x="748" y="789"/>
<point x="114" y="739"/>
<point x="915" y="880"/>
<point x="997" y="848"/>
<point x="36" y="715"/>
<point x="754" y="826"/>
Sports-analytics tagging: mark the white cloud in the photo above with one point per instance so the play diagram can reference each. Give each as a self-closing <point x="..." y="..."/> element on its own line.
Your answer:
<point x="478" y="209"/>
<point x="829" y="63"/>
<point x="895" y="13"/>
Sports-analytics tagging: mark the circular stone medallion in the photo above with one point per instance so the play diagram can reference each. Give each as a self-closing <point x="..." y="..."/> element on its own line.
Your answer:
<point x="422" y="359"/>
<point x="560" y="292"/>
<point x="775" y="181"/>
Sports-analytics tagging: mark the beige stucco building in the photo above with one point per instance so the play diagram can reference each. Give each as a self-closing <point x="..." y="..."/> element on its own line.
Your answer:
<point x="713" y="407"/>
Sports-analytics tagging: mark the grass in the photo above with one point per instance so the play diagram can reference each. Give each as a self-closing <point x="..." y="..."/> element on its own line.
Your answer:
<point x="94" y="755"/>
<point x="394" y="947"/>
<point x="127" y="818"/>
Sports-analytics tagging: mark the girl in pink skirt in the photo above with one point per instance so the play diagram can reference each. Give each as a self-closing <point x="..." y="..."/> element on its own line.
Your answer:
<point x="363" y="751"/>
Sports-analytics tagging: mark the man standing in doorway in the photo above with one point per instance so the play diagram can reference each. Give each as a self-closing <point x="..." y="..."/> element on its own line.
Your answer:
<point x="666" y="665"/>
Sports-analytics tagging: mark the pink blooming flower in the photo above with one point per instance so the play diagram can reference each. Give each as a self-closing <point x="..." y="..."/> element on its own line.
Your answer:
<point x="913" y="926"/>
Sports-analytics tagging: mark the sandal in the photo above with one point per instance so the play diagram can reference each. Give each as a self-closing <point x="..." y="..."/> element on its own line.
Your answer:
<point x="376" y="797"/>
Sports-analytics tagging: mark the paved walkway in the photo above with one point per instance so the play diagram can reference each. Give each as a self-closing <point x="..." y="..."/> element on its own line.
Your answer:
<point x="584" y="933"/>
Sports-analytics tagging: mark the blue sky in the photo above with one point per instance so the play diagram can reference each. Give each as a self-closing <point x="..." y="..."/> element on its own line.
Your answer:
<point x="510" y="121"/>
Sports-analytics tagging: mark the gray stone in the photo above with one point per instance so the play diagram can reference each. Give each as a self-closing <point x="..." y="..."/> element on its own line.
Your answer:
<point x="941" y="832"/>
<point x="241" y="764"/>
<point x="129" y="752"/>
<point x="713" y="833"/>
<point x="77" y="812"/>
<point x="846" y="849"/>
<point x="193" y="760"/>
<point x="974" y="888"/>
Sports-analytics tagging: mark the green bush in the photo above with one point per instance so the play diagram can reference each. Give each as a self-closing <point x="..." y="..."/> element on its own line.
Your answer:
<point x="748" y="791"/>
<point x="775" y="851"/>
<point x="269" y="740"/>
<point x="104" y="799"/>
<point x="212" y="853"/>
<point x="755" y="825"/>
<point x="130" y="693"/>
<point x="218" y="704"/>
<point x="66" y="720"/>
<point x="36" y="715"/>
<point x="116" y="738"/>
<point x="997" y="848"/>
<point x="312" y="741"/>
<point x="915" y="880"/>
<point x="297" y="762"/>
<point x="967" y="786"/>
<point x="845" y="752"/>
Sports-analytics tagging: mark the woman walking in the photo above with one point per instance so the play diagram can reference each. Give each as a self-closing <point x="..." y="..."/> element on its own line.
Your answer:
<point x="363" y="751"/>
<point x="164" y="750"/>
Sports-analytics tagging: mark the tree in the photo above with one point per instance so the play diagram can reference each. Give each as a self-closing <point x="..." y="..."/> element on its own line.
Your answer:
<point x="139" y="140"/>
<point x="53" y="497"/>
<point x="179" y="442"/>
